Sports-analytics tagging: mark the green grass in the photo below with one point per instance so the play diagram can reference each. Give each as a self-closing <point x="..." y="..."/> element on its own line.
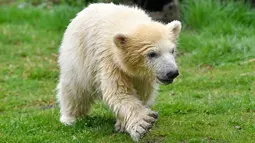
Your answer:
<point x="212" y="101"/>
<point x="219" y="33"/>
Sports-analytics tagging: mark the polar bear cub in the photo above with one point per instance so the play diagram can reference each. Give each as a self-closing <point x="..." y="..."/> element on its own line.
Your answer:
<point x="118" y="54"/>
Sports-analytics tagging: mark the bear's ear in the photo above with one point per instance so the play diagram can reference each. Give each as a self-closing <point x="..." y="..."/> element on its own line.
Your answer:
<point x="174" y="27"/>
<point x="120" y="40"/>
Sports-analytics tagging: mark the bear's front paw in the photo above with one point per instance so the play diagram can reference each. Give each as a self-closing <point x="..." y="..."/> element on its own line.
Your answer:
<point x="142" y="124"/>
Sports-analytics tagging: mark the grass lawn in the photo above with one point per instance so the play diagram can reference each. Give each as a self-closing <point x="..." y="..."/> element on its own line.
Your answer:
<point x="212" y="101"/>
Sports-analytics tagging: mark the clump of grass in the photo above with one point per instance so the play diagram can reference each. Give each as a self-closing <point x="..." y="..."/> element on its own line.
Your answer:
<point x="200" y="14"/>
<point x="56" y="18"/>
<point x="219" y="32"/>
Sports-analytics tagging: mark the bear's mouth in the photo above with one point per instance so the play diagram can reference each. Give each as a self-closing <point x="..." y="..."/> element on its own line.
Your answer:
<point x="165" y="81"/>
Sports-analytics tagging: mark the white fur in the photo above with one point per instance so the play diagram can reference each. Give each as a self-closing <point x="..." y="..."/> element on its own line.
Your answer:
<point x="89" y="69"/>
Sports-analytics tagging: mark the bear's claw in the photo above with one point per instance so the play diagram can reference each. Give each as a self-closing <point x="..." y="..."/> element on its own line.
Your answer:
<point x="142" y="125"/>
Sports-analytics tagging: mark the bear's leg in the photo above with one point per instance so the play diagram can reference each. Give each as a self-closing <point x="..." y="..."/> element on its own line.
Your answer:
<point x="73" y="104"/>
<point x="137" y="122"/>
<point x="137" y="119"/>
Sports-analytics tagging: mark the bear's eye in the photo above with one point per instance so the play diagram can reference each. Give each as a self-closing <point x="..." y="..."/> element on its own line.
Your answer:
<point x="152" y="55"/>
<point x="172" y="51"/>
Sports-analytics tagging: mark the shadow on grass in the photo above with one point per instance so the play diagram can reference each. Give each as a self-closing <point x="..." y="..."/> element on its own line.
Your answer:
<point x="96" y="121"/>
<point x="100" y="124"/>
<point x="104" y="126"/>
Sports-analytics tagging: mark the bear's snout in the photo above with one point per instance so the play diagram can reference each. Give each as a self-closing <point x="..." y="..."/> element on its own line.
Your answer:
<point x="172" y="74"/>
<point x="169" y="77"/>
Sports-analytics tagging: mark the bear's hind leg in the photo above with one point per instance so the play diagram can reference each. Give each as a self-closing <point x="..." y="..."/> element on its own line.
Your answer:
<point x="72" y="104"/>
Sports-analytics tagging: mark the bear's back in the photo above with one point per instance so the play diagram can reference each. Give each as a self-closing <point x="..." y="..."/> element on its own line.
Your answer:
<point x="111" y="18"/>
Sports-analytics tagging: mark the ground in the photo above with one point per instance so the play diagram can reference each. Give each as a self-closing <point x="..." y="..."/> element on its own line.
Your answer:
<point x="213" y="100"/>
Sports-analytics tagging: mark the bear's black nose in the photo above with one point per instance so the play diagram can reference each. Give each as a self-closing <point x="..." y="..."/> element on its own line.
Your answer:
<point x="172" y="74"/>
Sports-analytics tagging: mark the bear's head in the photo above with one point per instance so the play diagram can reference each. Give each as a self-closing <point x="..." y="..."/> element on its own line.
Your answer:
<point x="149" y="51"/>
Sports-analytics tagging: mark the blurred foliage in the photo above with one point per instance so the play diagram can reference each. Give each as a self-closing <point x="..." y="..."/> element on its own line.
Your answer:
<point x="217" y="31"/>
<point x="76" y="3"/>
